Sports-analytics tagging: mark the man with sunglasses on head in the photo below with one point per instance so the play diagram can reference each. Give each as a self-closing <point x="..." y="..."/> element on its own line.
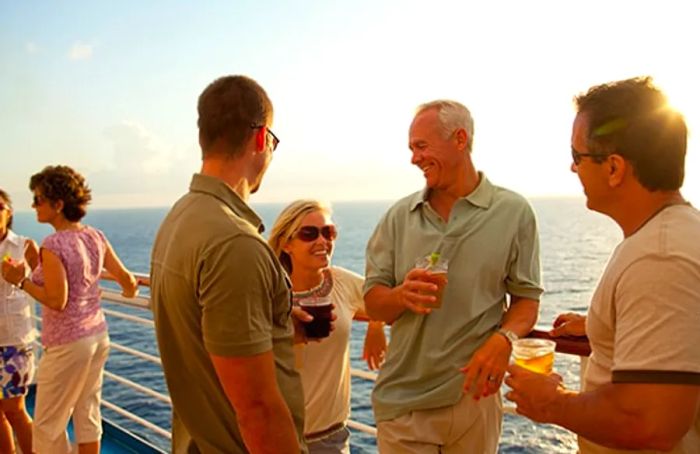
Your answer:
<point x="439" y="388"/>
<point x="220" y="297"/>
<point x="641" y="388"/>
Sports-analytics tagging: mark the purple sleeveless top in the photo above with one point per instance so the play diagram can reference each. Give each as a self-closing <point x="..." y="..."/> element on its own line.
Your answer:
<point x="82" y="253"/>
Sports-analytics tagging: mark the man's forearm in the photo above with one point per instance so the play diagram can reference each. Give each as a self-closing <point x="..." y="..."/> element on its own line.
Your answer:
<point x="269" y="428"/>
<point x="521" y="316"/>
<point x="264" y="419"/>
<point x="615" y="417"/>
<point x="382" y="304"/>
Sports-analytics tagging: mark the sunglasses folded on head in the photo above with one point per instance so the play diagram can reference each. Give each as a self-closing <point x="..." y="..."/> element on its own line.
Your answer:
<point x="310" y="233"/>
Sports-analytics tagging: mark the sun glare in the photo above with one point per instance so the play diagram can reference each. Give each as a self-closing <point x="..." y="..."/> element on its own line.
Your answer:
<point x="683" y="96"/>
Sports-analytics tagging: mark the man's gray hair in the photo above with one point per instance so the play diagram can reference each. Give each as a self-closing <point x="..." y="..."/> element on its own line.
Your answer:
<point x="452" y="116"/>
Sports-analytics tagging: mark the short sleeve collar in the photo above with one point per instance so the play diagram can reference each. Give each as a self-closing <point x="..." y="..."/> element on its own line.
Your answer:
<point x="225" y="193"/>
<point x="13" y="238"/>
<point x="481" y="196"/>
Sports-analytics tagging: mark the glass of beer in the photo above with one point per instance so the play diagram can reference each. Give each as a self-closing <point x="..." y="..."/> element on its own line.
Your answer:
<point x="437" y="266"/>
<point x="320" y="310"/>
<point x="536" y="355"/>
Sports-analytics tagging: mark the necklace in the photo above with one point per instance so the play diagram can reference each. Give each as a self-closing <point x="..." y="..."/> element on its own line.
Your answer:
<point x="322" y="289"/>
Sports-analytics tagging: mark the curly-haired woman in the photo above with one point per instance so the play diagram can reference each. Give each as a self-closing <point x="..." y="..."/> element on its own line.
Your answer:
<point x="16" y="336"/>
<point x="74" y="331"/>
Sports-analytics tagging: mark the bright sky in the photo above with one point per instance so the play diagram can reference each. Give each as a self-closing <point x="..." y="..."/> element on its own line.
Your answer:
<point x="110" y="88"/>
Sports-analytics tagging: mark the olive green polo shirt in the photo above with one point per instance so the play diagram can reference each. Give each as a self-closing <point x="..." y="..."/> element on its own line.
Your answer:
<point x="492" y="247"/>
<point x="217" y="288"/>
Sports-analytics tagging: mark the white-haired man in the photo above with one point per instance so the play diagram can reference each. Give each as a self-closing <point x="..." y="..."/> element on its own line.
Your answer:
<point x="438" y="390"/>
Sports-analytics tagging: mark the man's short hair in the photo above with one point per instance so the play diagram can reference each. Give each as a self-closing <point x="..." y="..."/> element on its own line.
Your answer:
<point x="632" y="118"/>
<point x="229" y="109"/>
<point x="452" y="116"/>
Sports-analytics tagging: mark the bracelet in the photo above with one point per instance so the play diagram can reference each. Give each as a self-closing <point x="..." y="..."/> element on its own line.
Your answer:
<point x="21" y="283"/>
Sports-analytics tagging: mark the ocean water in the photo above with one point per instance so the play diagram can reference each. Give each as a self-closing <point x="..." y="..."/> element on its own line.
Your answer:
<point x="575" y="244"/>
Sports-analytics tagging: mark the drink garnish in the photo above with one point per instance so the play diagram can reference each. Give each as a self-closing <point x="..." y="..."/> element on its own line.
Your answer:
<point x="433" y="258"/>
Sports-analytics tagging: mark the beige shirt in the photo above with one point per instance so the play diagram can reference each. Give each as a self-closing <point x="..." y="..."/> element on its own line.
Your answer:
<point x="325" y="365"/>
<point x="644" y="319"/>
<point x="217" y="288"/>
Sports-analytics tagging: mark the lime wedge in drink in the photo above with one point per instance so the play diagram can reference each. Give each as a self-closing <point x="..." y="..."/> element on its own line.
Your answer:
<point x="434" y="257"/>
<point x="7" y="257"/>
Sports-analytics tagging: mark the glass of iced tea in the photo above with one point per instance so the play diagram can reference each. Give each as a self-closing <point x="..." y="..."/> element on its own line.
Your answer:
<point x="438" y="275"/>
<point x="320" y="308"/>
<point x="536" y="355"/>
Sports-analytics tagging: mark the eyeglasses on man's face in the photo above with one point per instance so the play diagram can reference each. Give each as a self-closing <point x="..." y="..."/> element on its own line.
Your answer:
<point x="577" y="156"/>
<point x="309" y="233"/>
<point x="268" y="131"/>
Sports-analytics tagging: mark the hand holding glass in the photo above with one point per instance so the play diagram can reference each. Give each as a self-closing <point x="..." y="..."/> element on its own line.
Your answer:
<point x="320" y="309"/>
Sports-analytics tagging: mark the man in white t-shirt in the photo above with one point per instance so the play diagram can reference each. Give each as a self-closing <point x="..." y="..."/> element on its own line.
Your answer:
<point x="641" y="388"/>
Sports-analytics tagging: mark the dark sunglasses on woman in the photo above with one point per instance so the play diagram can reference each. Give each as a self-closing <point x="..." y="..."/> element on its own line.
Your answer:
<point x="309" y="233"/>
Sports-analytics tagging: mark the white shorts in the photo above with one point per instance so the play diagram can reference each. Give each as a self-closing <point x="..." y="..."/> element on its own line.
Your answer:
<point x="69" y="378"/>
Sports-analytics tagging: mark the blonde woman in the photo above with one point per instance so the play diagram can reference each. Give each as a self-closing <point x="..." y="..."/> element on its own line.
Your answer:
<point x="303" y="238"/>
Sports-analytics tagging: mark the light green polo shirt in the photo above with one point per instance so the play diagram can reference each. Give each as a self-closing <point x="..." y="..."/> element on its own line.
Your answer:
<point x="492" y="246"/>
<point x="217" y="288"/>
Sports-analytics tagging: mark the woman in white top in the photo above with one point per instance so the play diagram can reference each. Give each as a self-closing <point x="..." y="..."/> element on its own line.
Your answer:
<point x="303" y="238"/>
<point x="16" y="336"/>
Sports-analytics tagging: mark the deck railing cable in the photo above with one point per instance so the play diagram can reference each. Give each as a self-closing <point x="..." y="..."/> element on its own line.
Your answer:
<point x="137" y="419"/>
<point x="113" y="297"/>
<point x="575" y="346"/>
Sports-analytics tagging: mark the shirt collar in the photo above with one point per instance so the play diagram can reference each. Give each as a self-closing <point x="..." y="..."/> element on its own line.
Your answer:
<point x="217" y="188"/>
<point x="481" y="196"/>
<point x="13" y="238"/>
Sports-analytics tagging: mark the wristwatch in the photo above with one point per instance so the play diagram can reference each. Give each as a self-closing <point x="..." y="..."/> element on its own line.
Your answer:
<point x="509" y="335"/>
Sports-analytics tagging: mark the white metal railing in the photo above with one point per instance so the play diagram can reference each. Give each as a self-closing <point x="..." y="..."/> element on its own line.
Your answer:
<point x="137" y="353"/>
<point x="117" y="314"/>
<point x="137" y="419"/>
<point x="143" y="303"/>
<point x="130" y="384"/>
<point x="141" y="388"/>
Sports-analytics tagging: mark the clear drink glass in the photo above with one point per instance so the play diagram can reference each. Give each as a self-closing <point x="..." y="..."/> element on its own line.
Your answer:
<point x="437" y="266"/>
<point x="536" y="355"/>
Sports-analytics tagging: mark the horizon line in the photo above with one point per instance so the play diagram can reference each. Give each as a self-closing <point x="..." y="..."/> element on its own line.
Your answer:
<point x="332" y="202"/>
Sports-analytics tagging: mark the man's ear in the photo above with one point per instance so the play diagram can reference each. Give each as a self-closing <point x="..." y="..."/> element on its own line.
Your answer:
<point x="260" y="136"/>
<point x="617" y="167"/>
<point x="462" y="137"/>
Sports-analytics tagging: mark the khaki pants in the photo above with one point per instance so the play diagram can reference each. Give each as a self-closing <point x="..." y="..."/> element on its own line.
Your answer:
<point x="69" y="382"/>
<point x="469" y="426"/>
